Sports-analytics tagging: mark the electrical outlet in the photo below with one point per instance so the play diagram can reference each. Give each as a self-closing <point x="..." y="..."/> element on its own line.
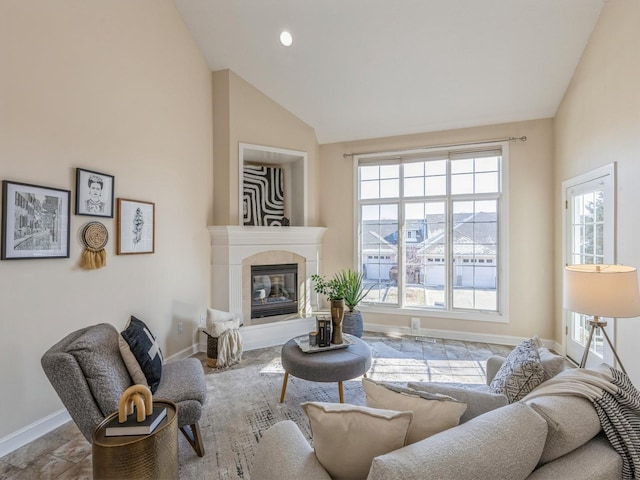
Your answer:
<point x="201" y="319"/>
<point x="180" y="326"/>
<point x="415" y="325"/>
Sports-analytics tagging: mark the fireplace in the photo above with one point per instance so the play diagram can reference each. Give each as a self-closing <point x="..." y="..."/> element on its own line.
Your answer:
<point x="274" y="290"/>
<point x="235" y="249"/>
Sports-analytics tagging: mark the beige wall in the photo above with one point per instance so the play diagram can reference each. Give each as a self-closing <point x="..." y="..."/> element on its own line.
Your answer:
<point x="254" y="118"/>
<point x="598" y="122"/>
<point x="530" y="227"/>
<point x="119" y="87"/>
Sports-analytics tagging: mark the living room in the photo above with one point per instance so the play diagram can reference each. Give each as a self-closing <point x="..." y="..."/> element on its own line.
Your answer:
<point x="122" y="88"/>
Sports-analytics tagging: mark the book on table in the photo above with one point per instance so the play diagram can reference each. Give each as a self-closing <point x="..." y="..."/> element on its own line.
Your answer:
<point x="131" y="426"/>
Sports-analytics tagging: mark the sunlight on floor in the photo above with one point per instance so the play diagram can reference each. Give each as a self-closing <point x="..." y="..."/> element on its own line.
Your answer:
<point x="412" y="370"/>
<point x="274" y="366"/>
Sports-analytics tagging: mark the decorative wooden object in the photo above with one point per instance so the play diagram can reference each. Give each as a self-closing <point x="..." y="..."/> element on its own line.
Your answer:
<point x="150" y="456"/>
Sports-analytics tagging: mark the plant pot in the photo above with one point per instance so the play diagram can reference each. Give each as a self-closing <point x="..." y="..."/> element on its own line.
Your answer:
<point x="337" y="314"/>
<point x="352" y="323"/>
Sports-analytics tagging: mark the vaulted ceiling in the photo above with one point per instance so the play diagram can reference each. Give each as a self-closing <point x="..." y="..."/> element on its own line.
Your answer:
<point x="373" y="68"/>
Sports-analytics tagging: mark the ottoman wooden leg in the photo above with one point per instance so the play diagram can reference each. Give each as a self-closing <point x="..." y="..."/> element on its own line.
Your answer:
<point x="284" y="386"/>
<point x="340" y="392"/>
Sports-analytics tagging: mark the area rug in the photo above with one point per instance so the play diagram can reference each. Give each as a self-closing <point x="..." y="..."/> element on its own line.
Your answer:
<point x="243" y="402"/>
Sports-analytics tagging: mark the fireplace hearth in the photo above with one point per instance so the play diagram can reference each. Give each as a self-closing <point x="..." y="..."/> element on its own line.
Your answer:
<point x="274" y="290"/>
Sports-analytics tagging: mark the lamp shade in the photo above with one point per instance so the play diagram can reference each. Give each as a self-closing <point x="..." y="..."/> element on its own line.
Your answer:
<point x="602" y="290"/>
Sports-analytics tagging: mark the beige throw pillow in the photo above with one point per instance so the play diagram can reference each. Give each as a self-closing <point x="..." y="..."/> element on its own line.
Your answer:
<point x="130" y="361"/>
<point x="346" y="438"/>
<point x="219" y="322"/>
<point x="432" y="412"/>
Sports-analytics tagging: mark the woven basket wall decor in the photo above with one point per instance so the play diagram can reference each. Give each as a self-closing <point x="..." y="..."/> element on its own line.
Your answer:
<point x="95" y="237"/>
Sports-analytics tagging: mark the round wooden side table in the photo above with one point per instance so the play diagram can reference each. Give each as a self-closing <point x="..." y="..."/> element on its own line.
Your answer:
<point x="149" y="456"/>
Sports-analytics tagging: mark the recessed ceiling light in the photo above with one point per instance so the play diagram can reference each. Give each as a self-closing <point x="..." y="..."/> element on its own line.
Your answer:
<point x="286" y="39"/>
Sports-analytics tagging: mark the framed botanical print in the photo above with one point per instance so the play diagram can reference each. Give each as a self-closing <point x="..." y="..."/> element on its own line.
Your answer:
<point x="136" y="227"/>
<point x="94" y="193"/>
<point x="35" y="221"/>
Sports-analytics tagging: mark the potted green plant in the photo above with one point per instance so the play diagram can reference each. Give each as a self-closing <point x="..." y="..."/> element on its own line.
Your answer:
<point x="354" y="292"/>
<point x="333" y="289"/>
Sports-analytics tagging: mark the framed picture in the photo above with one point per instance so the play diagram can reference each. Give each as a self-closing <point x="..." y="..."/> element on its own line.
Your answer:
<point x="35" y="221"/>
<point x="136" y="227"/>
<point x="94" y="193"/>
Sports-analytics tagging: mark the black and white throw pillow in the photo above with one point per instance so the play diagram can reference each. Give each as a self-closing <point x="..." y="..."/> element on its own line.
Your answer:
<point x="145" y="348"/>
<point x="521" y="372"/>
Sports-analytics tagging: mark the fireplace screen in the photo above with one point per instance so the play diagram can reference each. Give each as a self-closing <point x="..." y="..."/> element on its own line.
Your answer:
<point x="274" y="290"/>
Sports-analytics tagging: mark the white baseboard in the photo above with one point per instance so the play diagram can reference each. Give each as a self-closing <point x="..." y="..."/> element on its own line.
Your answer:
<point x="32" y="432"/>
<point x="184" y="353"/>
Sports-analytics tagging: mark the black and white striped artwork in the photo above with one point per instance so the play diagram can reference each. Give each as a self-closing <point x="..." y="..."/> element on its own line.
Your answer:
<point x="263" y="196"/>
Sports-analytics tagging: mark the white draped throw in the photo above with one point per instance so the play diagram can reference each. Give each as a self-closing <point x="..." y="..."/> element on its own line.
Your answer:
<point x="229" y="348"/>
<point x="225" y="327"/>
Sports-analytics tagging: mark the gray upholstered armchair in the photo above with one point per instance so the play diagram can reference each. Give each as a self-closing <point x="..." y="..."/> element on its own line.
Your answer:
<point x="87" y="371"/>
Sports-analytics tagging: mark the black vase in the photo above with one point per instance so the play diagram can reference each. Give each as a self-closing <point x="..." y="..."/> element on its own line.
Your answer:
<point x="352" y="323"/>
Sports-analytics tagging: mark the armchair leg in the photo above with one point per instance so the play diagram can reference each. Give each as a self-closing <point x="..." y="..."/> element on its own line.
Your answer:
<point x="193" y="436"/>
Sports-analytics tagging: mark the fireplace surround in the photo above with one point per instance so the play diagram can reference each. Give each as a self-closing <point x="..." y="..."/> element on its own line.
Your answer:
<point x="235" y="249"/>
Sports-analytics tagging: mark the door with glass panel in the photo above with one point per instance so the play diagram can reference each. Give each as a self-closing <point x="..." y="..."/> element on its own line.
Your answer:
<point x="589" y="237"/>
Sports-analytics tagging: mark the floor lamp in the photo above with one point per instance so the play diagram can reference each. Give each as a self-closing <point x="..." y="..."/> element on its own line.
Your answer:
<point x="601" y="291"/>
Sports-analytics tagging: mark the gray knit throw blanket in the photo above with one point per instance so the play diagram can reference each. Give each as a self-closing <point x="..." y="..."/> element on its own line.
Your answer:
<point x="616" y="401"/>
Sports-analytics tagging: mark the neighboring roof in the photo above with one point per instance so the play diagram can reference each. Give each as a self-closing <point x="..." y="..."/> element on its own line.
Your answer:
<point x="473" y="234"/>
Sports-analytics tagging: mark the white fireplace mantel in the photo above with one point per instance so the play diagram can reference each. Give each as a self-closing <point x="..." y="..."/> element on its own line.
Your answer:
<point x="232" y="244"/>
<point x="259" y="237"/>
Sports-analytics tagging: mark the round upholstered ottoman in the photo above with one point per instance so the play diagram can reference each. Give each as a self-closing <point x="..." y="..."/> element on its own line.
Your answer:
<point x="330" y="366"/>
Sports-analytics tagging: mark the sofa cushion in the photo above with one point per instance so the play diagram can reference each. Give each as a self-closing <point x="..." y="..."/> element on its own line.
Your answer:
<point x="595" y="460"/>
<point x="503" y="444"/>
<point x="521" y="372"/>
<point x="432" y="412"/>
<point x="97" y="353"/>
<point x="347" y="437"/>
<point x="145" y="348"/>
<point x="477" y="398"/>
<point x="572" y="421"/>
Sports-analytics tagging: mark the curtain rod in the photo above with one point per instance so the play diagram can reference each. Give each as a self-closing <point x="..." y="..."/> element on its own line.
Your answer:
<point x="507" y="139"/>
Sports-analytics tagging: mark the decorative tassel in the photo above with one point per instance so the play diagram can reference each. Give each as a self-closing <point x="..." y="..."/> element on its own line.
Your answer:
<point x="93" y="259"/>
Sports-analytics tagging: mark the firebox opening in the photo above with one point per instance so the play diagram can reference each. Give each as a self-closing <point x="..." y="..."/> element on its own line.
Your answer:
<point x="274" y="290"/>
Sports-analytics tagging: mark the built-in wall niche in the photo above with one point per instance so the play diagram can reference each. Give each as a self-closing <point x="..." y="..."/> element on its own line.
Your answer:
<point x="292" y="165"/>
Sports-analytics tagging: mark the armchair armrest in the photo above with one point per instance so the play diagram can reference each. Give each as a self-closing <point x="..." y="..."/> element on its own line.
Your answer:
<point x="284" y="454"/>
<point x="494" y="363"/>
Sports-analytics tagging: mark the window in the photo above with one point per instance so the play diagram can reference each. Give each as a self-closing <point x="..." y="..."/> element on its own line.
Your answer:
<point x="434" y="219"/>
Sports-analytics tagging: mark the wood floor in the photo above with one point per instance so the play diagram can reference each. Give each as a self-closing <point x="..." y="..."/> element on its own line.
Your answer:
<point x="65" y="454"/>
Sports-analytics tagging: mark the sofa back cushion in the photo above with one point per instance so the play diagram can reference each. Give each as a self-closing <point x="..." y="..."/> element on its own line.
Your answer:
<point x="572" y="421"/>
<point x="432" y="412"/>
<point x="97" y="352"/>
<point x="478" y="401"/>
<point x="503" y="444"/>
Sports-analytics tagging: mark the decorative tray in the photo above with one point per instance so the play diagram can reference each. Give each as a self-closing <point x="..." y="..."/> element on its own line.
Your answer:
<point x="303" y="343"/>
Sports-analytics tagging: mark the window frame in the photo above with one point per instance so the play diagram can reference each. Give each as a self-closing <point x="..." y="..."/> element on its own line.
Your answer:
<point x="502" y="313"/>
